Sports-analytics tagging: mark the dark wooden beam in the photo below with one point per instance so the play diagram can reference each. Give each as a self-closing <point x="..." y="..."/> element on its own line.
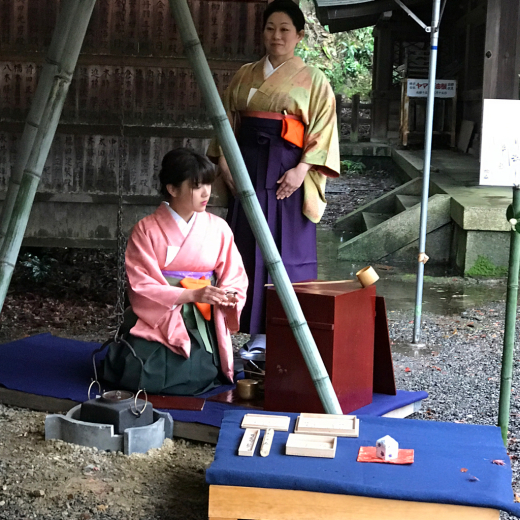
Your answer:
<point x="501" y="50"/>
<point x="382" y="82"/>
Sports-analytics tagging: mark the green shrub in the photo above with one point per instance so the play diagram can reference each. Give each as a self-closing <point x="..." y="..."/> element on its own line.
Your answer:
<point x="345" y="58"/>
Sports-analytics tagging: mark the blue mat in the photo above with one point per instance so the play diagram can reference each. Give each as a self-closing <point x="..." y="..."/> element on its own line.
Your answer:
<point x="214" y="412"/>
<point x="441" y="451"/>
<point x="56" y="367"/>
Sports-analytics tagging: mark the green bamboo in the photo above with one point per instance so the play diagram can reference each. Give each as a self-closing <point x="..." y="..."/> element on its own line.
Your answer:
<point x="255" y="216"/>
<point x="510" y="323"/>
<point x="64" y="22"/>
<point x="41" y="146"/>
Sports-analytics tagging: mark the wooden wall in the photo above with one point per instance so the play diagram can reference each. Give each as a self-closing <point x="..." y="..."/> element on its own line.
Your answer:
<point x="133" y="97"/>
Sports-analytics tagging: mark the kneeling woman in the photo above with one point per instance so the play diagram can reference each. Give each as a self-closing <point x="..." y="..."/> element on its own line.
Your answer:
<point x="187" y="287"/>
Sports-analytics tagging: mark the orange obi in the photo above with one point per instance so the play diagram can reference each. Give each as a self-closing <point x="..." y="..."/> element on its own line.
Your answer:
<point x="293" y="130"/>
<point x="194" y="283"/>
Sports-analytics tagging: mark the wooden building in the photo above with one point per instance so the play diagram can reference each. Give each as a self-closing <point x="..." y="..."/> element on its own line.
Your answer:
<point x="479" y="47"/>
<point x="133" y="97"/>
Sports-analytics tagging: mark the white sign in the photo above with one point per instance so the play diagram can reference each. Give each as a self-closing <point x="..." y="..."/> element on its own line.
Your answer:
<point x="444" y="88"/>
<point x="500" y="152"/>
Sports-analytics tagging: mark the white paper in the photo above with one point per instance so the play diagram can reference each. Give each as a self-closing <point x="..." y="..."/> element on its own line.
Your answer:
<point x="500" y="151"/>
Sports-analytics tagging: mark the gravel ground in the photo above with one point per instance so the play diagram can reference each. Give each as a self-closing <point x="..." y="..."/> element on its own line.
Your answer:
<point x="460" y="369"/>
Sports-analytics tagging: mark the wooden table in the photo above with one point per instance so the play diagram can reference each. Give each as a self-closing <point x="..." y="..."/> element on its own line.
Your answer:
<point x="232" y="503"/>
<point x="453" y="476"/>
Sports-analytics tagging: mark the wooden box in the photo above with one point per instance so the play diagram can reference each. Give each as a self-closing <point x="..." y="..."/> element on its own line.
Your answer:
<point x="327" y="424"/>
<point x="276" y="422"/>
<point x="341" y="318"/>
<point x="311" y="445"/>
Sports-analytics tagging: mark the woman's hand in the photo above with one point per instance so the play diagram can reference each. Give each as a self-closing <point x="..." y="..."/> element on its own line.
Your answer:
<point x="291" y="180"/>
<point x="226" y="175"/>
<point x="209" y="294"/>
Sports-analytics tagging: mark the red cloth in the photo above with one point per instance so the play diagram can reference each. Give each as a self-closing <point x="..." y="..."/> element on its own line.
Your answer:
<point x="368" y="454"/>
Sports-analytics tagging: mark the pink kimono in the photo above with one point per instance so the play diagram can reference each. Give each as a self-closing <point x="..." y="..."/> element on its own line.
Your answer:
<point x="157" y="244"/>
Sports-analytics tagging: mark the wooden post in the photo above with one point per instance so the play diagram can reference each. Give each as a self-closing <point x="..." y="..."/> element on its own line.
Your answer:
<point x="502" y="42"/>
<point x="404" y="128"/>
<point x="339" y="110"/>
<point x="382" y="83"/>
<point x="354" y="119"/>
<point x="453" y="123"/>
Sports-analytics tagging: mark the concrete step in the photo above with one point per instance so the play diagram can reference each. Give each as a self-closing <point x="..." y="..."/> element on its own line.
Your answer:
<point x="374" y="219"/>
<point x="403" y="202"/>
<point x="354" y="223"/>
<point x="396" y="232"/>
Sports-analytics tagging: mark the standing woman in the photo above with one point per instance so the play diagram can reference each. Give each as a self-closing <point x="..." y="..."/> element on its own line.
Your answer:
<point x="284" y="116"/>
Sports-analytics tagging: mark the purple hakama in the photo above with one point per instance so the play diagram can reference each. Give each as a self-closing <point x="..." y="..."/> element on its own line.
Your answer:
<point x="268" y="156"/>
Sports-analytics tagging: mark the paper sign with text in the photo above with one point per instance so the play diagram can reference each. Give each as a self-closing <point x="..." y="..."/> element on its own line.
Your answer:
<point x="500" y="150"/>
<point x="444" y="88"/>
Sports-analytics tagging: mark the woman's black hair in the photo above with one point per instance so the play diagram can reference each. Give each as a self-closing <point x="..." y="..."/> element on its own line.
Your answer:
<point x="183" y="164"/>
<point x="288" y="7"/>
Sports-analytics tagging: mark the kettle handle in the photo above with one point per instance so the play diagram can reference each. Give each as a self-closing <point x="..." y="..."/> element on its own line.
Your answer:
<point x="119" y="339"/>
<point x="137" y="412"/>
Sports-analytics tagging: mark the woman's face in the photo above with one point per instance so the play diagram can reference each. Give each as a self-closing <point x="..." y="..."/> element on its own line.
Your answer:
<point x="280" y="36"/>
<point x="186" y="199"/>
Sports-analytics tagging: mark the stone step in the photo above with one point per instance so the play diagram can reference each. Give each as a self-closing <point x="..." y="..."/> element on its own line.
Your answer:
<point x="403" y="202"/>
<point x="374" y="219"/>
<point x="393" y="233"/>
<point x="354" y="223"/>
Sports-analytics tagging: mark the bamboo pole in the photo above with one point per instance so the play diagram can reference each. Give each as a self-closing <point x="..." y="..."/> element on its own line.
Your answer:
<point x="510" y="323"/>
<point x="255" y="216"/>
<point x="41" y="146"/>
<point x="64" y="22"/>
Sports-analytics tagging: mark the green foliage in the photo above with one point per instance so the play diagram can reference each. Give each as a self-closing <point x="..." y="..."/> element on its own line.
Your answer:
<point x="484" y="267"/>
<point x="35" y="268"/>
<point x="352" y="166"/>
<point x="345" y="58"/>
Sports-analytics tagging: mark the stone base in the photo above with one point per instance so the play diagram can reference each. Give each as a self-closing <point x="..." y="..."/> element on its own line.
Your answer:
<point x="481" y="253"/>
<point x="69" y="428"/>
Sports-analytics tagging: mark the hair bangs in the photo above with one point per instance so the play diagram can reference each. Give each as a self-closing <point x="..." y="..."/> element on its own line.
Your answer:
<point x="204" y="173"/>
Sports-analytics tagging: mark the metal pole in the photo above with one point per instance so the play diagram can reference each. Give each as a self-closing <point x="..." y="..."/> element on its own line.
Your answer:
<point x="255" y="216"/>
<point x="426" y="169"/>
<point x="41" y="145"/>
<point x="510" y="323"/>
<point x="64" y="22"/>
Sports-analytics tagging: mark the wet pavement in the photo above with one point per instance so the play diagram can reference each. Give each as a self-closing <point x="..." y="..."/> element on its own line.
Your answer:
<point x="444" y="292"/>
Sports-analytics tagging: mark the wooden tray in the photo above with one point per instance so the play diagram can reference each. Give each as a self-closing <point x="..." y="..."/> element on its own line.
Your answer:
<point x="311" y="445"/>
<point x="327" y="424"/>
<point x="276" y="422"/>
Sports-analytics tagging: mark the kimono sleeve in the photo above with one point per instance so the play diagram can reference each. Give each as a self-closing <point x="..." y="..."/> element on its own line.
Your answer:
<point x="231" y="275"/>
<point x="151" y="296"/>
<point x="229" y="100"/>
<point x="321" y="145"/>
